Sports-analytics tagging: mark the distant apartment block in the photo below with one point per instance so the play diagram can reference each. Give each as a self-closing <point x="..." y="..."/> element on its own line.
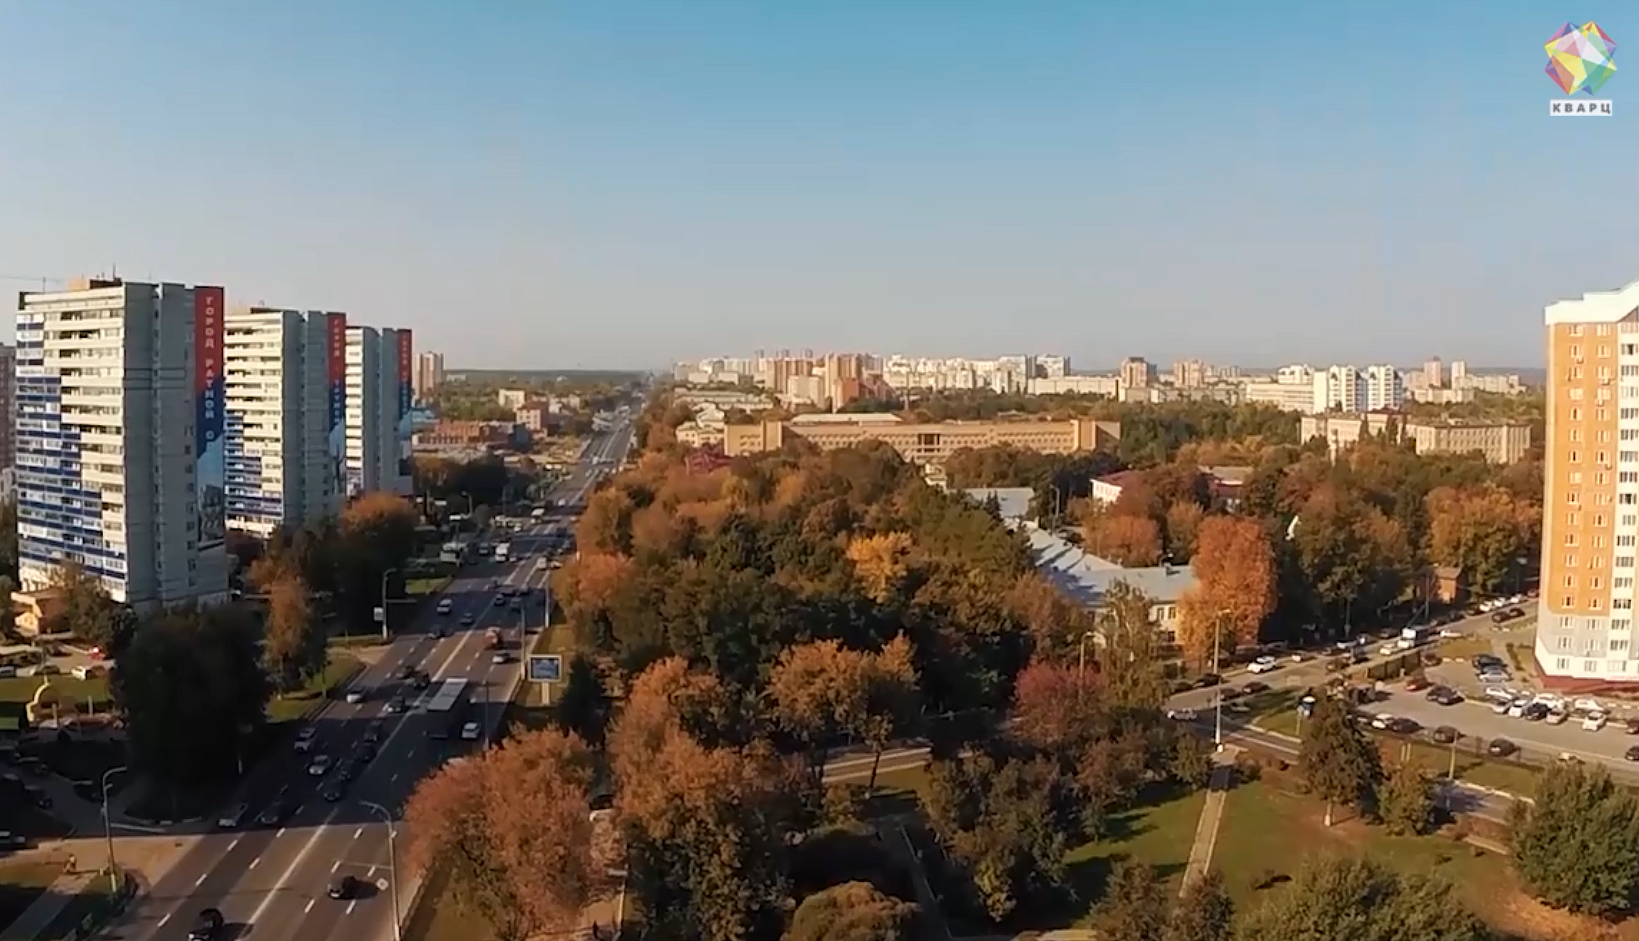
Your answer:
<point x="468" y="436"/>
<point x="1499" y="442"/>
<point x="8" y="405"/>
<point x="119" y="440"/>
<point x="921" y="443"/>
<point x="511" y="398"/>
<point x="285" y="417"/>
<point x="378" y="410"/>
<point x="429" y="375"/>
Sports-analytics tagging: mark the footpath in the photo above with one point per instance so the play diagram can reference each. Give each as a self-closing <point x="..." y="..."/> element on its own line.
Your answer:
<point x="1212" y="814"/>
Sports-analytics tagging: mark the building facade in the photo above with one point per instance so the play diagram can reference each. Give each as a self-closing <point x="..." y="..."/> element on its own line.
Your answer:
<point x="8" y="405"/>
<point x="378" y="440"/>
<point x="429" y="375"/>
<point x="1590" y="520"/>
<point x="285" y="373"/>
<point x="120" y="450"/>
<point x="929" y="443"/>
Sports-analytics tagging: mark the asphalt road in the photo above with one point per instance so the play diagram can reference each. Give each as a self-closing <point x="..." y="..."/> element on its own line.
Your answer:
<point x="271" y="882"/>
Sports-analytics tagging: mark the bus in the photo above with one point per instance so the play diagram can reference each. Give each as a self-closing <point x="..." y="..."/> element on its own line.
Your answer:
<point x="447" y="707"/>
<point x="503" y="552"/>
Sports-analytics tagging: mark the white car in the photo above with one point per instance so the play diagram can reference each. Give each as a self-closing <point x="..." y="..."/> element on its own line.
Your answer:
<point x="1447" y="633"/>
<point x="1381" y="720"/>
<point x="469" y="732"/>
<point x="232" y="817"/>
<point x="320" y="766"/>
<point x="1264" y="664"/>
<point x="355" y="696"/>
<point x="1181" y="715"/>
<point x="304" y="739"/>
<point x="1594" y="722"/>
<point x="444" y="606"/>
<point x="1388" y="649"/>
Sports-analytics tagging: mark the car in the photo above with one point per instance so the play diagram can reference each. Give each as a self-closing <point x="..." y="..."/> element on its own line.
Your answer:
<point x="1556" y="716"/>
<point x="1336" y="665"/>
<point x="1500" y="748"/>
<point x="282" y="806"/>
<point x="372" y="732"/>
<point x="445" y="606"/>
<point x="356" y="695"/>
<point x="467" y="620"/>
<point x="319" y="766"/>
<point x="500" y="600"/>
<point x="469" y="732"/>
<point x="1632" y="754"/>
<point x="1401" y="725"/>
<point x="1632" y="727"/>
<point x="332" y="793"/>
<point x="1445" y="735"/>
<point x="407" y="670"/>
<point x="10" y="840"/>
<point x="1447" y="633"/>
<point x="1441" y="696"/>
<point x="1417" y="684"/>
<point x="347" y="770"/>
<point x="37" y="797"/>
<point x="1239" y="707"/>
<point x="207" y="925"/>
<point x="1254" y="688"/>
<point x="1486" y="660"/>
<point x="1208" y="680"/>
<point x="233" y="817"/>
<point x="1593" y="722"/>
<point x="1181" y="715"/>
<point x="346" y="887"/>
<point x="305" y="738"/>
<point x="1381" y="721"/>
<point x="1264" y="664"/>
<point x="440" y="632"/>
<point x="420" y="681"/>
<point x="365" y="753"/>
<point x="500" y="657"/>
<point x="394" y="706"/>
<point x="1535" y="712"/>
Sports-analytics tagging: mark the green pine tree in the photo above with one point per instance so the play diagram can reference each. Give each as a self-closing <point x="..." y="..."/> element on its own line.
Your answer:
<point x="1338" y="761"/>
<point x="1404" y="801"/>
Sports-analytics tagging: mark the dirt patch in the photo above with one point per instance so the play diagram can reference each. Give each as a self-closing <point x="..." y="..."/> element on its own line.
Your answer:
<point x="1526" y="919"/>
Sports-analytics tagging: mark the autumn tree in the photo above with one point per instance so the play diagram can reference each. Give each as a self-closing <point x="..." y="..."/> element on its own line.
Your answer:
<point x="1482" y="531"/>
<point x="86" y="609"/>
<point x="1134" y="907"/>
<point x="880" y="563"/>
<point x="1353" y="557"/>
<point x="582" y="708"/>
<point x="852" y="911"/>
<point x="511" y="828"/>
<point x="1404" y="800"/>
<point x="606" y="526"/>
<point x="376" y="535"/>
<point x="1203" y="913"/>
<point x="294" y="645"/>
<point x="1338" y="761"/>
<point x="822" y="690"/>
<point x="1332" y="898"/>
<point x="1234" y="590"/>
<point x="1129" y="540"/>
<point x="587" y="587"/>
<point x="1055" y="706"/>
<point x="1183" y="525"/>
<point x="1131" y="651"/>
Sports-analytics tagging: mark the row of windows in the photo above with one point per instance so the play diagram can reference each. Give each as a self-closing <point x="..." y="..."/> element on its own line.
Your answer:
<point x="1563" y="664"/>
<point x="1568" y="622"/>
<point x="1595" y="646"/>
<point x="1594" y="604"/>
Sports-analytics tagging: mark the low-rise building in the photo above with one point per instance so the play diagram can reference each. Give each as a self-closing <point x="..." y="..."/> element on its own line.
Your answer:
<point x="469" y="435"/>
<point x="512" y="398"/>
<point x="922" y="443"/>
<point x="697" y="434"/>
<point x="1013" y="503"/>
<point x="1500" y="442"/>
<point x="1108" y="489"/>
<point x="1088" y="579"/>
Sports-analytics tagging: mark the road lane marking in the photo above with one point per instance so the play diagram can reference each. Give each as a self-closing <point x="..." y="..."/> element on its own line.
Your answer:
<point x="358" y="833"/>
<point x="201" y="880"/>
<point x="233" y="844"/>
<point x="335" y="866"/>
<point x="254" y="862"/>
<point x="350" y="907"/>
<point x="309" y="906"/>
<point x="281" y="833"/>
<point x="290" y="870"/>
<point x="372" y="872"/>
<point x="167" y="918"/>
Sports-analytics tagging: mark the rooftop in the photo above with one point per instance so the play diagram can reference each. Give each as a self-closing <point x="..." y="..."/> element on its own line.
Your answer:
<point x="1087" y="578"/>
<point x="1014" y="501"/>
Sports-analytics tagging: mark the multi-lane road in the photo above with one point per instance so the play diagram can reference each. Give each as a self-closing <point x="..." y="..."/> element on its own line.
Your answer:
<point x="271" y="883"/>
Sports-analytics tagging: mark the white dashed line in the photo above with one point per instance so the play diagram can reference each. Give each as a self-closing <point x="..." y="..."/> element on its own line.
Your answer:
<point x="309" y="906"/>
<point x="167" y="918"/>
<point x="358" y="833"/>
<point x="200" y="881"/>
<point x="350" y="906"/>
<point x="280" y="834"/>
<point x="254" y="862"/>
<point x="335" y="865"/>
<point x="234" y="843"/>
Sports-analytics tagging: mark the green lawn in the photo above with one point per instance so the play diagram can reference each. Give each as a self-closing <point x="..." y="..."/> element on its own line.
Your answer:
<point x="422" y="587"/>
<point x="23" y="882"/>
<point x="438" y="918"/>
<point x="343" y="666"/>
<point x="93" y="906"/>
<point x="18" y="691"/>
<point x="1268" y="831"/>
<point x="1158" y="834"/>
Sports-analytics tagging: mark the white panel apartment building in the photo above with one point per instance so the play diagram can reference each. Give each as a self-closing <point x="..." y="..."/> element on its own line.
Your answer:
<point x="376" y="445"/>
<point x="283" y="468"/>
<point x="119" y="442"/>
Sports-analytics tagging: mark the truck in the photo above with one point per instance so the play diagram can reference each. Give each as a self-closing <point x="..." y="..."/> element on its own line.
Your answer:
<point x="493" y="639"/>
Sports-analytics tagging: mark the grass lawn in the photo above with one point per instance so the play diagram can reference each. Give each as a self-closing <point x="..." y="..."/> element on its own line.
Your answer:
<point x="422" y="587"/>
<point x="17" y="691"/>
<point x="343" y="666"/>
<point x="438" y="918"/>
<point x="23" y="882"/>
<point x="93" y="904"/>
<point x="1465" y="647"/>
<point x="1158" y="833"/>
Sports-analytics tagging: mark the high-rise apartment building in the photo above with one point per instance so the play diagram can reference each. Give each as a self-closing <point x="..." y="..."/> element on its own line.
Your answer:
<point x="1590" y="520"/>
<point x="120" y="451"/>
<point x="1434" y="373"/>
<point x="1189" y="374"/>
<point x="1384" y="388"/>
<point x="8" y="404"/>
<point x="378" y="381"/>
<point x="429" y="375"/>
<point x="1459" y="373"/>
<point x="1339" y="389"/>
<point x="1137" y="373"/>
<point x="285" y="372"/>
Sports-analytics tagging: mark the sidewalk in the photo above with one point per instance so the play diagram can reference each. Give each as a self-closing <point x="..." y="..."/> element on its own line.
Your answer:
<point x="1212" y="813"/>
<point x="38" y="916"/>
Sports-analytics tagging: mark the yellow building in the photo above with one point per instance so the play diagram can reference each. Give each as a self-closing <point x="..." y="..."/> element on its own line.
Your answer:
<point x="1590" y="519"/>
<point x="929" y="443"/>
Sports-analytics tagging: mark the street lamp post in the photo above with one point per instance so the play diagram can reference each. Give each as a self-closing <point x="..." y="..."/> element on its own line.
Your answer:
<point x="384" y="576"/>
<point x="108" y="830"/>
<point x="1081" y="653"/>
<point x="392" y="863"/>
<point x="1218" y="690"/>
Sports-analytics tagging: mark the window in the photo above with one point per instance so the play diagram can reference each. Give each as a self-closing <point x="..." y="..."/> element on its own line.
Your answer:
<point x="1590" y="666"/>
<point x="1576" y="434"/>
<point x="1573" y="374"/>
<point x="1570" y="539"/>
<point x="1595" y="583"/>
<point x="1620" y="643"/>
<point x="1573" y="497"/>
<point x="1575" y="331"/>
<point x="1563" y="643"/>
<point x="1562" y="664"/>
<point x="1576" y="395"/>
<point x="1570" y="560"/>
<point x="1570" y="581"/>
<point x="1622" y="604"/>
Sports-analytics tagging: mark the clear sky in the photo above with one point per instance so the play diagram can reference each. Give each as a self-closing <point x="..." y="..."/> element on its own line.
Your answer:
<point x="624" y="182"/>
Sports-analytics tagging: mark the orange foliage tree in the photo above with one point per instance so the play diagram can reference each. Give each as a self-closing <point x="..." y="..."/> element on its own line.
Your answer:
<point x="1235" y="587"/>
<point x="1125" y="539"/>
<point x="880" y="563"/>
<point x="512" y="828"/>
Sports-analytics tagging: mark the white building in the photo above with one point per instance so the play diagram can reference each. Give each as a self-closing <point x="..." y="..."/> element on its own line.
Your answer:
<point x="1287" y="396"/>
<point x="1339" y="388"/>
<point x="120" y="452"/>
<point x="378" y="387"/>
<point x="1384" y="388"/>
<point x="285" y="373"/>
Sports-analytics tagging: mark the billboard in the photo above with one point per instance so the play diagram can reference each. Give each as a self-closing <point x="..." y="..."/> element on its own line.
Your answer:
<point x="545" y="668"/>
<point x="335" y="331"/>
<point x="210" y="449"/>
<point x="406" y="399"/>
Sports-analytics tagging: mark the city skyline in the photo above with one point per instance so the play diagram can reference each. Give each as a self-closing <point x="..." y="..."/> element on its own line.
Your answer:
<point x="659" y="181"/>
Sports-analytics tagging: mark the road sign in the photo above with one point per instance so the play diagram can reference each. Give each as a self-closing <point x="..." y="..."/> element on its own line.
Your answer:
<point x="545" y="668"/>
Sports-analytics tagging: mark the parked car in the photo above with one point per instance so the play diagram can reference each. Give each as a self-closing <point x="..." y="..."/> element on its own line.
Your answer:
<point x="1401" y="725"/>
<point x="1500" y="748"/>
<point x="1264" y="664"/>
<point x="233" y="817"/>
<point x="346" y="887"/>
<point x="1445" y="735"/>
<point x="1632" y="754"/>
<point x="1417" y="684"/>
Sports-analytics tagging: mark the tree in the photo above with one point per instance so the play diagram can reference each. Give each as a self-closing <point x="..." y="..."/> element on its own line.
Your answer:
<point x="1131" y="653"/>
<point x="880" y="563"/>
<point x="8" y="540"/>
<point x="1235" y="587"/>
<point x="1128" y="540"/>
<point x="817" y="691"/>
<point x="512" y="828"/>
<point x="376" y="535"/>
<point x="1203" y="913"/>
<point x="582" y="708"/>
<point x="1134" y="906"/>
<point x="87" y="611"/>
<point x="1184" y="519"/>
<point x="1480" y="530"/>
<point x="1361" y="900"/>
<point x="191" y="687"/>
<point x="852" y="911"/>
<point x="1338" y="761"/>
<point x="294" y="645"/>
<point x="606" y="526"/>
<point x="1404" y="801"/>
<point x="1577" y="846"/>
<point x="1056" y="707"/>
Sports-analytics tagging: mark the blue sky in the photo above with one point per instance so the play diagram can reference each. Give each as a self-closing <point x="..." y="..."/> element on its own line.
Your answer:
<point x="622" y="182"/>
